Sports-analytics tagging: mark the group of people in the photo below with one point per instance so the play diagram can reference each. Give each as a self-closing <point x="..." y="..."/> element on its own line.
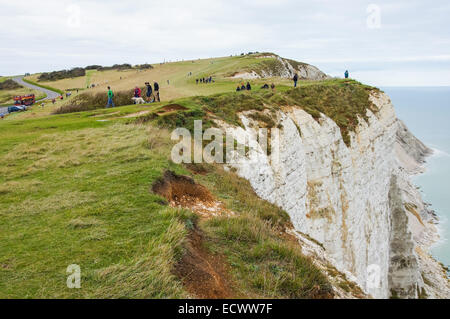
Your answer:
<point x="151" y="94"/>
<point x="248" y="87"/>
<point x="266" y="86"/>
<point x="244" y="87"/>
<point x="204" y="80"/>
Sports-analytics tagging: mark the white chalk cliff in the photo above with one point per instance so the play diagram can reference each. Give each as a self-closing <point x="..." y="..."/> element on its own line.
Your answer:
<point x="283" y="68"/>
<point x="357" y="202"/>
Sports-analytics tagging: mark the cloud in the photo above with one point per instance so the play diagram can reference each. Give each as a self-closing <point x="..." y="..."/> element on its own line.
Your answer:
<point x="49" y="34"/>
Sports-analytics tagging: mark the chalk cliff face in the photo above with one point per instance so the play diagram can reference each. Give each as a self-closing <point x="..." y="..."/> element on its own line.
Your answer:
<point x="357" y="201"/>
<point x="283" y="68"/>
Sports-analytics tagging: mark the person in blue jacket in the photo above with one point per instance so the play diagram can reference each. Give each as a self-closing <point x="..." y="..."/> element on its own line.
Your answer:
<point x="346" y="74"/>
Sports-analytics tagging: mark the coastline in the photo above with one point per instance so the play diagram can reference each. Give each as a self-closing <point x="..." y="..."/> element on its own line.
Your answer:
<point x="440" y="220"/>
<point x="423" y="222"/>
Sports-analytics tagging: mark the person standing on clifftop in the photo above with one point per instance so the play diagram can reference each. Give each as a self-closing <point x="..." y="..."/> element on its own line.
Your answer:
<point x="346" y="74"/>
<point x="149" y="91"/>
<point x="295" y="79"/>
<point x="110" y="98"/>
<point x="156" y="87"/>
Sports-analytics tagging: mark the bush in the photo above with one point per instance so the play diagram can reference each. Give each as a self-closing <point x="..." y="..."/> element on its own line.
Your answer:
<point x="9" y="85"/>
<point x="93" y="67"/>
<point x="63" y="74"/>
<point x="118" y="67"/>
<point x="88" y="102"/>
<point x="145" y="66"/>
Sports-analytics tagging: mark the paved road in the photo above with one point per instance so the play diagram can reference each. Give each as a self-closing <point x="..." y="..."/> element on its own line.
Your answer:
<point x="19" y="80"/>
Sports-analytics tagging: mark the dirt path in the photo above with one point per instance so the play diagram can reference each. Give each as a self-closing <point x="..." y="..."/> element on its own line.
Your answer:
<point x="203" y="274"/>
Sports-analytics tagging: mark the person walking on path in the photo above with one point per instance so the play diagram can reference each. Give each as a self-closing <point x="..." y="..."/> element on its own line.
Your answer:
<point x="346" y="74"/>
<point x="156" y="87"/>
<point x="149" y="92"/>
<point x="110" y="98"/>
<point x="295" y="79"/>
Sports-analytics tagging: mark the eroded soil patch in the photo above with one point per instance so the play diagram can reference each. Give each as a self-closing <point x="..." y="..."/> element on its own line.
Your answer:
<point x="182" y="192"/>
<point x="170" y="108"/>
<point x="203" y="274"/>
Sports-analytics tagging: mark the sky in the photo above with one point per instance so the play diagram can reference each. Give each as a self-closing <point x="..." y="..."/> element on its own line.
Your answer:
<point x="383" y="43"/>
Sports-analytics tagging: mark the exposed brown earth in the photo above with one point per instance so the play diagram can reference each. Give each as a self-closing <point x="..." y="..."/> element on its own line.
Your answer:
<point x="203" y="274"/>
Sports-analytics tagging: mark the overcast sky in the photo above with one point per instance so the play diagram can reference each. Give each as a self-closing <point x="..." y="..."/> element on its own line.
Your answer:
<point x="385" y="43"/>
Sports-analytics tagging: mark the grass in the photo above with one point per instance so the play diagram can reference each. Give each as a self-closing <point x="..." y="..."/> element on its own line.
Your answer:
<point x="4" y="78"/>
<point x="181" y="85"/>
<point x="75" y="189"/>
<point x="264" y="262"/>
<point x="91" y="208"/>
<point x="89" y="74"/>
<point x="344" y="101"/>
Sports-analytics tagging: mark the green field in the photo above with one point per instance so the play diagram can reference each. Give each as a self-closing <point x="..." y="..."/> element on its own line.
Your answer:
<point x="76" y="188"/>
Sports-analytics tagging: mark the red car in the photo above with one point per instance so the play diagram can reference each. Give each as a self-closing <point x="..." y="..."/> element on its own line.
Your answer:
<point x="26" y="100"/>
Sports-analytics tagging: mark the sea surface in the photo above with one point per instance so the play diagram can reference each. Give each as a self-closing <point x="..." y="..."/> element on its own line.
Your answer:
<point x="426" y="112"/>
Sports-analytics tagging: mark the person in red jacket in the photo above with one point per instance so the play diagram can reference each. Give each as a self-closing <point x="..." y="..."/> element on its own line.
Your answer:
<point x="137" y="92"/>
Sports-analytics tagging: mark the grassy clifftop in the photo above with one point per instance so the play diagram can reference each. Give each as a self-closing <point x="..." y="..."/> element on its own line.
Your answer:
<point x="77" y="188"/>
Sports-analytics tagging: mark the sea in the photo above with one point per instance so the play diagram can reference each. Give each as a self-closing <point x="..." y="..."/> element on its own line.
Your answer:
<point x="426" y="112"/>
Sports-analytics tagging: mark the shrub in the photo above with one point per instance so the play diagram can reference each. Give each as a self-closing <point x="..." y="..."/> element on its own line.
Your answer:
<point x="63" y="74"/>
<point x="88" y="102"/>
<point x="118" y="67"/>
<point x="145" y="66"/>
<point x="9" y="85"/>
<point x="93" y="67"/>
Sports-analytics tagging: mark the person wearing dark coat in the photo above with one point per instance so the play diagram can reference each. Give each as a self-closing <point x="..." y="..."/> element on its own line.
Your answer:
<point x="238" y="89"/>
<point x="149" y="91"/>
<point x="156" y="87"/>
<point x="295" y="80"/>
<point x="249" y="87"/>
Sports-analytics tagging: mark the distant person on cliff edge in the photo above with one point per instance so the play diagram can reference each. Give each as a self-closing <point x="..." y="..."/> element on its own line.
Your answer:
<point x="110" y="98"/>
<point x="346" y="74"/>
<point x="156" y="88"/>
<point x="295" y="79"/>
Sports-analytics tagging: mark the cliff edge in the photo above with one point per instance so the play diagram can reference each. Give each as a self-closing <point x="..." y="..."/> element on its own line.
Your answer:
<point x="353" y="196"/>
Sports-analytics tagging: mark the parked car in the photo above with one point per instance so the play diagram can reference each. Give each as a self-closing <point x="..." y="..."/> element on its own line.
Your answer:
<point x="17" y="108"/>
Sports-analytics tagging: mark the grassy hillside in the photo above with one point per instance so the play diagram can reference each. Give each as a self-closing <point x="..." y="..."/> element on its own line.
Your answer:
<point x="78" y="188"/>
<point x="180" y="83"/>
